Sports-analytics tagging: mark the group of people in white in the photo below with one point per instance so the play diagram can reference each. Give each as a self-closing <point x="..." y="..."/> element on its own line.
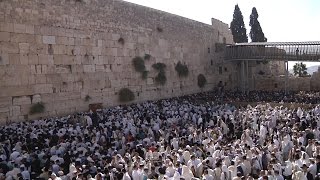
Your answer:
<point x="168" y="139"/>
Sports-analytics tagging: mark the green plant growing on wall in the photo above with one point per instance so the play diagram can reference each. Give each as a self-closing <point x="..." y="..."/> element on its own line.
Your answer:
<point x="145" y="74"/>
<point x="159" y="29"/>
<point x="139" y="66"/>
<point x="159" y="66"/>
<point x="147" y="57"/>
<point x="37" y="108"/>
<point x="126" y="95"/>
<point x="121" y="41"/>
<point x="161" y="77"/>
<point x="87" y="98"/>
<point x="201" y="80"/>
<point x="182" y="69"/>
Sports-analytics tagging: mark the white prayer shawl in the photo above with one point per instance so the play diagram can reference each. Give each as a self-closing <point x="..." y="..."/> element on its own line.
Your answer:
<point x="187" y="173"/>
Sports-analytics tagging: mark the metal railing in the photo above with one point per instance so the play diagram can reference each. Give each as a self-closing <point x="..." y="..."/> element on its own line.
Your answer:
<point x="270" y="51"/>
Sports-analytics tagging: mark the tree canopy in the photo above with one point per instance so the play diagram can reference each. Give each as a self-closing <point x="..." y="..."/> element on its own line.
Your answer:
<point x="237" y="27"/>
<point x="256" y="33"/>
<point x="300" y="69"/>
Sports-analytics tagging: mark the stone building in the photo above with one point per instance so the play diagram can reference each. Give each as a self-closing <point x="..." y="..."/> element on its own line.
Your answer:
<point x="68" y="54"/>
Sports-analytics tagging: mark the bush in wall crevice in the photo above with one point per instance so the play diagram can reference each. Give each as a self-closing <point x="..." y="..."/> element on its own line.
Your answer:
<point x="126" y="95"/>
<point x="182" y="69"/>
<point x="202" y="81"/>
<point x="37" y="108"/>
<point x="161" y="77"/>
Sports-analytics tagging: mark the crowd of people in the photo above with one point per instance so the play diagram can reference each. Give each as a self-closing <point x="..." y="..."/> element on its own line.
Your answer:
<point x="177" y="138"/>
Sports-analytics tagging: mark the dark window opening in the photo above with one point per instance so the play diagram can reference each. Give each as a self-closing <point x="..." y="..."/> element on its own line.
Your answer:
<point x="276" y="85"/>
<point x="209" y="50"/>
<point x="220" y="70"/>
<point x="211" y="62"/>
<point x="224" y="40"/>
<point x="225" y="69"/>
<point x="225" y="83"/>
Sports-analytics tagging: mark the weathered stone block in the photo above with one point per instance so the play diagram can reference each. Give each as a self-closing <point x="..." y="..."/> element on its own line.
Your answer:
<point x="49" y="39"/>
<point x="89" y="68"/>
<point x="4" y="36"/>
<point x="6" y="27"/>
<point x="42" y="88"/>
<point x="24" y="47"/>
<point x="4" y="59"/>
<point x="19" y="28"/>
<point x="14" y="111"/>
<point x="22" y="100"/>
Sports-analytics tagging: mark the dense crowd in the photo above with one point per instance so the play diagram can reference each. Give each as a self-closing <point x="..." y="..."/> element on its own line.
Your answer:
<point x="177" y="138"/>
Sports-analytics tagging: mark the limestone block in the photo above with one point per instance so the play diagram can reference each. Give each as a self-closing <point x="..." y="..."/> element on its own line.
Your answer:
<point x="30" y="29"/>
<point x="21" y="100"/>
<point x="96" y="51"/>
<point x="111" y="51"/>
<point x="150" y="81"/>
<point x="4" y="59"/>
<point x="24" y="59"/>
<point x="49" y="40"/>
<point x="19" y="28"/>
<point x="24" y="47"/>
<point x="5" y="101"/>
<point x="42" y="88"/>
<point x="63" y="69"/>
<point x="4" y="109"/>
<point x="38" y="69"/>
<point x="6" y="27"/>
<point x="100" y="68"/>
<point x="89" y="68"/>
<point x="14" y="110"/>
<point x="4" y="36"/>
<point x="33" y="59"/>
<point x="59" y="49"/>
<point x="40" y="79"/>
<point x="9" y="47"/>
<point x="115" y="37"/>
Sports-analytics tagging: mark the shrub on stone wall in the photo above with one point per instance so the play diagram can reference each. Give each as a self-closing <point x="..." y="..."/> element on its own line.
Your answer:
<point x="159" y="29"/>
<point x="87" y="98"/>
<point x="139" y="66"/>
<point x="147" y="57"/>
<point x="159" y="66"/>
<point x="161" y="77"/>
<point x="126" y="95"/>
<point x="37" y="108"/>
<point x="182" y="69"/>
<point x="121" y="41"/>
<point x="201" y="80"/>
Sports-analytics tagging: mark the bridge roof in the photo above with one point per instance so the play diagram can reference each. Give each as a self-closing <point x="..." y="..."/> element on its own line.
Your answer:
<point x="278" y="43"/>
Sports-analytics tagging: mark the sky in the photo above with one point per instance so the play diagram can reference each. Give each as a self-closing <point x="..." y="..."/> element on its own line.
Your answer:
<point x="281" y="20"/>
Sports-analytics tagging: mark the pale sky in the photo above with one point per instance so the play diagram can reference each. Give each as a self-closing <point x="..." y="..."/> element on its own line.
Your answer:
<point x="281" y="20"/>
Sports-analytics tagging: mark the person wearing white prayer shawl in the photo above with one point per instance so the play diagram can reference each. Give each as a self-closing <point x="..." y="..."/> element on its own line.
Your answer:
<point x="186" y="173"/>
<point x="225" y="174"/>
<point x="88" y="120"/>
<point x="206" y="175"/>
<point x="175" y="143"/>
<point x="313" y="167"/>
<point x="170" y="171"/>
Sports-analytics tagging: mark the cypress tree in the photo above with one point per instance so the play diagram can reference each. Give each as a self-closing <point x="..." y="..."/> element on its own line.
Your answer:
<point x="237" y="27"/>
<point x="256" y="33"/>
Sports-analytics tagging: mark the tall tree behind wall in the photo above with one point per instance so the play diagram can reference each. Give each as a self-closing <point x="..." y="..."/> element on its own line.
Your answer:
<point x="256" y="33"/>
<point x="237" y="27"/>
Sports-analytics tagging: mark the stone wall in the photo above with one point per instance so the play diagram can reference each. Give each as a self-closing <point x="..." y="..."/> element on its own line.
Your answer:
<point x="277" y="83"/>
<point x="61" y="51"/>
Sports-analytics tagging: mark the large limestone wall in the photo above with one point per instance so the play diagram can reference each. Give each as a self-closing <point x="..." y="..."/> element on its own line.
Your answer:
<point x="59" y="51"/>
